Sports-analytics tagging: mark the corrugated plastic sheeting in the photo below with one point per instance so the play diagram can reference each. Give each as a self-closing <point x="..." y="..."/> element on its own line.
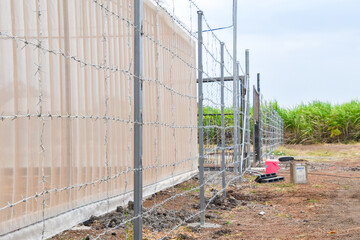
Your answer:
<point x="75" y="148"/>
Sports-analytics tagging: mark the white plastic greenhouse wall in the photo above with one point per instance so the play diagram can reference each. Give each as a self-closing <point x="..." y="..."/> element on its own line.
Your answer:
<point x="66" y="105"/>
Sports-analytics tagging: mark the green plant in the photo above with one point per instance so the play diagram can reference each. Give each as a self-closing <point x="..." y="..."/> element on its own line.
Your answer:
<point x="314" y="122"/>
<point x="284" y="185"/>
<point x="277" y="153"/>
<point x="319" y="122"/>
<point x="129" y="229"/>
<point x="185" y="188"/>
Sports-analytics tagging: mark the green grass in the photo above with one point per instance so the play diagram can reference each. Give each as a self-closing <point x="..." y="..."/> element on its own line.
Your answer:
<point x="321" y="122"/>
<point x="283" y="215"/>
<point x="284" y="185"/>
<point x="185" y="188"/>
<point x="277" y="153"/>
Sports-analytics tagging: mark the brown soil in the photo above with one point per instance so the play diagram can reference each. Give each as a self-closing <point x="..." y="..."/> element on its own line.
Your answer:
<point x="328" y="207"/>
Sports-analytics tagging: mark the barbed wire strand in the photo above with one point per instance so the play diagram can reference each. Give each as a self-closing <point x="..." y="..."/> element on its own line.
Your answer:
<point x="270" y="127"/>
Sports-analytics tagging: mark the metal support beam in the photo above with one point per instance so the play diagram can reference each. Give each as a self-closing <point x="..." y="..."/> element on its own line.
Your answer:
<point x="201" y="132"/>
<point x="138" y="55"/>
<point x="217" y="79"/>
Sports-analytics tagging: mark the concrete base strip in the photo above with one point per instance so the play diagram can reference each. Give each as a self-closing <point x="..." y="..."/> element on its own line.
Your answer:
<point x="67" y="220"/>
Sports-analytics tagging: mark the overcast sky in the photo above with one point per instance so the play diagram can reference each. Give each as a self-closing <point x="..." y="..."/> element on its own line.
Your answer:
<point x="304" y="49"/>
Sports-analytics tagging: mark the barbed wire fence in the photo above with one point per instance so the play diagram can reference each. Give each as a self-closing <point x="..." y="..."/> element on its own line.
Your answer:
<point x="125" y="129"/>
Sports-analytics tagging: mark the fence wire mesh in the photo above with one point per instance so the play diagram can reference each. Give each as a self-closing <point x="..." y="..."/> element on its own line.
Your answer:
<point x="67" y="110"/>
<point x="271" y="129"/>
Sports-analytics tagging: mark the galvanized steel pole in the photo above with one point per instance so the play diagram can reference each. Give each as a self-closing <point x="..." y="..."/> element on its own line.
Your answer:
<point x="201" y="130"/>
<point x="266" y="126"/>
<point x="222" y="120"/>
<point x="138" y="55"/>
<point x="245" y="122"/>
<point x="255" y="132"/>
<point x="238" y="93"/>
<point x="273" y="130"/>
<point x="247" y="77"/>
<point x="278" y="130"/>
<point x="235" y="92"/>
<point x="282" y="132"/>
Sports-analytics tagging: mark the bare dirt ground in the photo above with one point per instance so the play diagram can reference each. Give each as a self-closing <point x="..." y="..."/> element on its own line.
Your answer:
<point x="328" y="207"/>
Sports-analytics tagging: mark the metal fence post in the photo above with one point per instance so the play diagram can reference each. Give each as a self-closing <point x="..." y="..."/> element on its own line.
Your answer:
<point x="266" y="127"/>
<point x="272" y="131"/>
<point x="275" y="124"/>
<point x="138" y="55"/>
<point x="245" y="127"/>
<point x="238" y="91"/>
<point x="260" y="119"/>
<point x="242" y="104"/>
<point x="275" y="129"/>
<point x="256" y="122"/>
<point x="222" y="120"/>
<point x="255" y="137"/>
<point x="278" y="129"/>
<point x="283" y="132"/>
<point x="261" y="126"/>
<point x="201" y="130"/>
<point x="247" y="74"/>
<point x="269" y="129"/>
<point x="235" y="92"/>
<point x="238" y="113"/>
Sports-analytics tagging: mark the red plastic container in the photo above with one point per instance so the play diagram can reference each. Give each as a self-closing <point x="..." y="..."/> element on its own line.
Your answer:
<point x="272" y="166"/>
